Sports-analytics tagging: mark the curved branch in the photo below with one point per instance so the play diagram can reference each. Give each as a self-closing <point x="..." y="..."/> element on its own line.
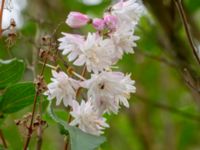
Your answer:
<point x="187" y="28"/>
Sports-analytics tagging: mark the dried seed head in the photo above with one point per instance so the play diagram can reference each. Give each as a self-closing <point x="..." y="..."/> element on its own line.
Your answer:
<point x="40" y="84"/>
<point x="46" y="40"/>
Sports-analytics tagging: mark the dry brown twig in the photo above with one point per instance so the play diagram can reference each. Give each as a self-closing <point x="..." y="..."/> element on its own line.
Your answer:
<point x="39" y="88"/>
<point x="187" y="28"/>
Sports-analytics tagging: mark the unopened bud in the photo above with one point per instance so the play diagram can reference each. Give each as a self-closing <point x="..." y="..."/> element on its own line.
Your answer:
<point x="77" y="19"/>
<point x="98" y="24"/>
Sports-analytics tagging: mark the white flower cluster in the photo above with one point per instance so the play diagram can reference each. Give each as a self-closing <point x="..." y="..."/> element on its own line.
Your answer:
<point x="107" y="90"/>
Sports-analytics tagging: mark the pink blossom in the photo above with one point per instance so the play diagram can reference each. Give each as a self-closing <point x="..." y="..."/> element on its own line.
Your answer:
<point x="77" y="19"/>
<point x="98" y="24"/>
<point x="110" y="21"/>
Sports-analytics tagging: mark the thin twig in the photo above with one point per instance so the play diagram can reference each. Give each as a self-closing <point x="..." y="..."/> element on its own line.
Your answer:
<point x="157" y="58"/>
<point x="30" y="130"/>
<point x="67" y="145"/>
<point x="39" y="131"/>
<point x="57" y="27"/>
<point x="1" y="16"/>
<point x="169" y="108"/>
<point x="58" y="67"/>
<point x="48" y="65"/>
<point x="3" y="139"/>
<point x="187" y="28"/>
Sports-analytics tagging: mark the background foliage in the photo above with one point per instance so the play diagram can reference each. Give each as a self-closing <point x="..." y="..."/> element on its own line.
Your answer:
<point x="164" y="113"/>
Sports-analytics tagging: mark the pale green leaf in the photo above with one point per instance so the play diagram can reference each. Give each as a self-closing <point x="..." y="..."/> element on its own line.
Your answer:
<point x="79" y="140"/>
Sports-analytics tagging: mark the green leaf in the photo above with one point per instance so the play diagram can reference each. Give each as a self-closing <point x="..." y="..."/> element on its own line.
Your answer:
<point x="17" y="96"/>
<point x="79" y="140"/>
<point x="62" y="130"/>
<point x="11" y="71"/>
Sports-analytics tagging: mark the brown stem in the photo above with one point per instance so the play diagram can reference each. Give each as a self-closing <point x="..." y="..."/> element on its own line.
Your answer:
<point x="39" y="139"/>
<point x="3" y="139"/>
<point x="187" y="29"/>
<point x="67" y="144"/>
<point x="30" y="130"/>
<point x="39" y="131"/>
<point x="1" y="16"/>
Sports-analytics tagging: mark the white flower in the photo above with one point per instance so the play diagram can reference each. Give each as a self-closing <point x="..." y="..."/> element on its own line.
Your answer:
<point x="108" y="90"/>
<point x="96" y="53"/>
<point x="62" y="87"/>
<point x="87" y="118"/>
<point x="128" y="11"/>
<point x="9" y="5"/>
<point x="70" y="44"/>
<point x="124" y="40"/>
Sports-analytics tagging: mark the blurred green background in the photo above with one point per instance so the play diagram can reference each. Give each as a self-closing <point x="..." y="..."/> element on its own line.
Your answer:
<point x="164" y="112"/>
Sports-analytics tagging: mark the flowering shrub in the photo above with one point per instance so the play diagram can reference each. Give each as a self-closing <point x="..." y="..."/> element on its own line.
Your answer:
<point x="98" y="51"/>
<point x="72" y="80"/>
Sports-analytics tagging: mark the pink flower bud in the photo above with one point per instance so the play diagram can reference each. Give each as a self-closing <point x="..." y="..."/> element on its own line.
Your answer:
<point x="98" y="24"/>
<point x="77" y="19"/>
<point x="110" y="21"/>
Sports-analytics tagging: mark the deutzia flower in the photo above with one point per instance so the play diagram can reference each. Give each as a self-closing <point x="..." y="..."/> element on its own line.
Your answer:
<point x="124" y="40"/>
<point x="62" y="87"/>
<point x="96" y="53"/>
<point x="108" y="90"/>
<point x="128" y="11"/>
<point x="87" y="118"/>
<point x="70" y="44"/>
